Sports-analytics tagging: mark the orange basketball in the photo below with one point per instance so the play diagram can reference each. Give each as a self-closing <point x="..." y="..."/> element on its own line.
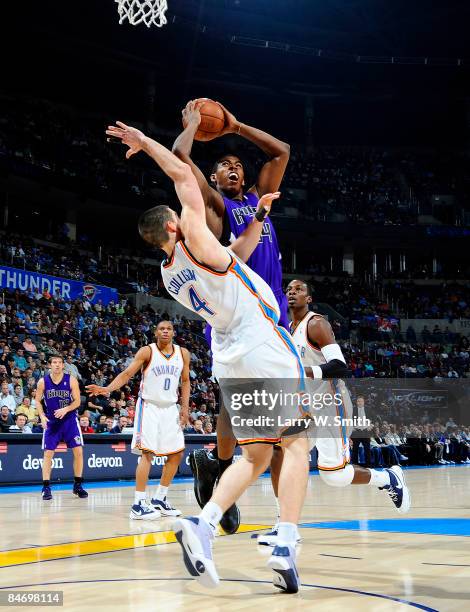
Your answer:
<point x="212" y="120"/>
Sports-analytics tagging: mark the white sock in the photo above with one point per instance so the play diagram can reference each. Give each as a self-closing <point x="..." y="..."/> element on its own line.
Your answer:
<point x="211" y="514"/>
<point x="278" y="507"/>
<point x="162" y="492"/>
<point x="287" y="533"/>
<point x="379" y="478"/>
<point x="139" y="496"/>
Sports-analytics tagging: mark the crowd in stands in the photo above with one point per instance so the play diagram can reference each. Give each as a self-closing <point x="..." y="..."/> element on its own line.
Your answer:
<point x="97" y="342"/>
<point x="415" y="444"/>
<point x="81" y="262"/>
<point x="357" y="185"/>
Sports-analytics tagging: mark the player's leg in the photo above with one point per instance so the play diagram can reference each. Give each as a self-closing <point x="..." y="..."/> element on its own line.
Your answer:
<point x="207" y="467"/>
<point x="50" y="440"/>
<point x="46" y="474"/>
<point x="141" y="509"/>
<point x="78" y="489"/>
<point x="144" y="443"/>
<point x="72" y="436"/>
<point x="195" y="534"/>
<point x="168" y="441"/>
<point x="270" y="537"/>
<point x="292" y="489"/>
<point x="160" y="501"/>
<point x="336" y="471"/>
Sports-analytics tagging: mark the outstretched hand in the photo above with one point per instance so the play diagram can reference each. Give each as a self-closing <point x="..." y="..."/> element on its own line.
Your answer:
<point x="265" y="202"/>
<point x="96" y="390"/>
<point x="130" y="136"/>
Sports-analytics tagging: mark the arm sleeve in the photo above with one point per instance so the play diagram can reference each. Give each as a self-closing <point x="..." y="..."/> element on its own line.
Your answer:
<point x="335" y="366"/>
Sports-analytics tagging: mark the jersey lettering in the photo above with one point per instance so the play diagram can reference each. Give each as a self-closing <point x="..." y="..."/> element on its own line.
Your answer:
<point x="199" y="303"/>
<point x="181" y="279"/>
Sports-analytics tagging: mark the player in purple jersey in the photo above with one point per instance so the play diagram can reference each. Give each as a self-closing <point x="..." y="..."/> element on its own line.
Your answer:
<point x="57" y="400"/>
<point x="229" y="211"/>
<point x="229" y="208"/>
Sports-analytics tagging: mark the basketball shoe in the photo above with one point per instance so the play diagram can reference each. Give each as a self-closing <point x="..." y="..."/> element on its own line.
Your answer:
<point x="270" y="538"/>
<point x="79" y="491"/>
<point x="282" y="562"/>
<point x="397" y="489"/>
<point x="195" y="537"/>
<point x="46" y="493"/>
<point x="205" y="469"/>
<point x="144" y="511"/>
<point x="164" y="507"/>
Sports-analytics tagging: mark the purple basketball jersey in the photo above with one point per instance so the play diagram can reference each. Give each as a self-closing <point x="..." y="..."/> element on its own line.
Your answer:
<point x="57" y="396"/>
<point x="266" y="258"/>
<point x="66" y="429"/>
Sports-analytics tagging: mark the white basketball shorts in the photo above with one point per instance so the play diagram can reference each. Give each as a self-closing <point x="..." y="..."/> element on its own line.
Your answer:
<point x="157" y="430"/>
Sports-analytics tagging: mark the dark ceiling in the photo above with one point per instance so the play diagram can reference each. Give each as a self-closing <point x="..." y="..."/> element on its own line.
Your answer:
<point x="76" y="52"/>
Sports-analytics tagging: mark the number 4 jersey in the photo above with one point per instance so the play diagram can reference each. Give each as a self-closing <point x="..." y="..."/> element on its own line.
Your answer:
<point x="161" y="377"/>
<point x="238" y="304"/>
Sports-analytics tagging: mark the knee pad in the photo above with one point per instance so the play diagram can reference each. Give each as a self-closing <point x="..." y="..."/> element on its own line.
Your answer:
<point x="338" y="478"/>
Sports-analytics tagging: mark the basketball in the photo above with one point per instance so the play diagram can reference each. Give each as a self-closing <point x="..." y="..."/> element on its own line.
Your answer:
<point x="212" y="120"/>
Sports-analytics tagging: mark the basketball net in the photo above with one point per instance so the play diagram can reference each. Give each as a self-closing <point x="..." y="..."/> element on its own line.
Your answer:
<point x="150" y="12"/>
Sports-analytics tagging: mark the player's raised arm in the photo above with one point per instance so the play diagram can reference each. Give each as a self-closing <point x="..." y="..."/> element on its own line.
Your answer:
<point x="200" y="240"/>
<point x="182" y="146"/>
<point x="278" y="152"/>
<point x="247" y="242"/>
<point x="141" y="359"/>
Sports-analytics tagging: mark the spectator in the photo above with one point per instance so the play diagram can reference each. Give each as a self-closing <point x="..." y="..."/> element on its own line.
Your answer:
<point x="101" y="426"/>
<point x="85" y="425"/>
<point x="109" y="425"/>
<point x="18" y="395"/>
<point x="29" y="346"/>
<point x="20" y="360"/>
<point x="6" y="419"/>
<point x="71" y="368"/>
<point x="6" y="398"/>
<point x="122" y="424"/>
<point x="21" y="425"/>
<point x="361" y="435"/>
<point x="26" y="408"/>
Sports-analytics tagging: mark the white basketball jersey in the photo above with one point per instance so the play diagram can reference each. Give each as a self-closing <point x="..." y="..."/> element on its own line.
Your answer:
<point x="161" y="377"/>
<point x="309" y="355"/>
<point x="238" y="304"/>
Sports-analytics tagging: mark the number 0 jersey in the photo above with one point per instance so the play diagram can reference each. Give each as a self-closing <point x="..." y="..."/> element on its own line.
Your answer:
<point x="238" y="303"/>
<point x="161" y="377"/>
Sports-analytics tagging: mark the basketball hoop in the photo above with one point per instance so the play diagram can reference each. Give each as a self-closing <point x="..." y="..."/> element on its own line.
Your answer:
<point x="150" y="12"/>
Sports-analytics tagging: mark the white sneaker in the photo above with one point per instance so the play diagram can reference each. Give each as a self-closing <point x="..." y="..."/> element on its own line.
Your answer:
<point x="144" y="512"/>
<point x="397" y="489"/>
<point x="282" y="562"/>
<point x="442" y="462"/>
<point x="195" y="537"/>
<point x="164" y="507"/>
<point x="270" y="538"/>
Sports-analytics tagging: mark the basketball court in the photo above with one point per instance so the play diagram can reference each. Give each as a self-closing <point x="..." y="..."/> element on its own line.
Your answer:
<point x="357" y="552"/>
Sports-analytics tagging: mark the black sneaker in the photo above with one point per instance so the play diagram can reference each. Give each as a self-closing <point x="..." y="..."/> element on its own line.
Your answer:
<point x="205" y="470"/>
<point x="79" y="491"/>
<point x="46" y="493"/>
<point x="230" y="520"/>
